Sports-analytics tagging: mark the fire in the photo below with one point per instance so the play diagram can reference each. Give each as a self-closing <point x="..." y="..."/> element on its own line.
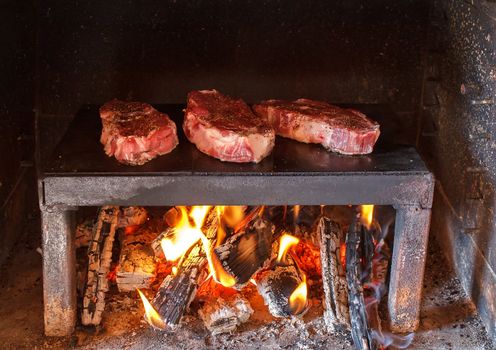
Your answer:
<point x="298" y="299"/>
<point x="198" y="214"/>
<point x="367" y="216"/>
<point x="284" y="244"/>
<point x="185" y="234"/>
<point x="232" y="215"/>
<point x="219" y="274"/>
<point x="342" y="255"/>
<point x="151" y="316"/>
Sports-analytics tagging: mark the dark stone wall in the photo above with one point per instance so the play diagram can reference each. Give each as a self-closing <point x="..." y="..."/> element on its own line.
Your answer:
<point x="17" y="47"/>
<point x="459" y="139"/>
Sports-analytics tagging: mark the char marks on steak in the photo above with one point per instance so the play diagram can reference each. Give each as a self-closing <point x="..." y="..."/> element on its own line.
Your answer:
<point x="340" y="130"/>
<point x="135" y="132"/>
<point x="226" y="128"/>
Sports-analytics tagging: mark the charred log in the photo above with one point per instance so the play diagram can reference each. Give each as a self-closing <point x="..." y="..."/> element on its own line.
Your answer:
<point x="132" y="216"/>
<point x="100" y="257"/>
<point x="333" y="274"/>
<point x="246" y="252"/>
<point x="277" y="285"/>
<point x="137" y="266"/>
<point x="301" y="221"/>
<point x="84" y="233"/>
<point x="360" y="330"/>
<point x="155" y="245"/>
<point x="178" y="291"/>
<point x="225" y="314"/>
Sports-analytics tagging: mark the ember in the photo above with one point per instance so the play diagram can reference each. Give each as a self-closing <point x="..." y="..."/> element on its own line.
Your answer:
<point x="212" y="260"/>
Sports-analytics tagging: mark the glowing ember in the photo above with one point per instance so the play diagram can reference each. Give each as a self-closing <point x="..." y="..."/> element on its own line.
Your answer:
<point x="284" y="244"/>
<point x="342" y="255"/>
<point x="367" y="214"/>
<point x="253" y="282"/>
<point x="298" y="299"/>
<point x="151" y="316"/>
<point x="174" y="270"/>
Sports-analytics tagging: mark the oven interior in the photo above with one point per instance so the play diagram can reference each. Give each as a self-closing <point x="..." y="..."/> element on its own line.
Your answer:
<point x="432" y="63"/>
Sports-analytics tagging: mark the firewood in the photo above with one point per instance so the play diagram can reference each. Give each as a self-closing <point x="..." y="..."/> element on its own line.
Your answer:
<point x="360" y="330"/>
<point x="225" y="314"/>
<point x="100" y="257"/>
<point x="177" y="291"/>
<point x="276" y="286"/>
<point x="84" y="232"/>
<point x="156" y="246"/>
<point x="132" y="216"/>
<point x="333" y="275"/>
<point x="246" y="252"/>
<point x="300" y="220"/>
<point x="172" y="216"/>
<point x="374" y="283"/>
<point x="137" y="265"/>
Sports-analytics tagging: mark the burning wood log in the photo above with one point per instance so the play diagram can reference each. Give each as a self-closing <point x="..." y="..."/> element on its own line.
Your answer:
<point x="100" y="257"/>
<point x="132" y="216"/>
<point x="137" y="265"/>
<point x="171" y="216"/>
<point x="277" y="287"/>
<point x="243" y="254"/>
<point x="84" y="232"/>
<point x="333" y="274"/>
<point x="177" y="291"/>
<point x="225" y="314"/>
<point x="360" y="330"/>
<point x="300" y="220"/>
<point x="156" y="245"/>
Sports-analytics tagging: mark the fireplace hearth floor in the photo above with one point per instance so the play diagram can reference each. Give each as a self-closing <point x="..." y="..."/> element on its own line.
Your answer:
<point x="448" y="319"/>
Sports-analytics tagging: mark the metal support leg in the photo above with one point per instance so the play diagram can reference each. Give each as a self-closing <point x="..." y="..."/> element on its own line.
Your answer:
<point x="59" y="271"/>
<point x="408" y="264"/>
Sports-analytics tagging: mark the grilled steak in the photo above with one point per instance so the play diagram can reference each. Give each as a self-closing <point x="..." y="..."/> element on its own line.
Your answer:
<point x="340" y="130"/>
<point x="226" y="128"/>
<point x="135" y="132"/>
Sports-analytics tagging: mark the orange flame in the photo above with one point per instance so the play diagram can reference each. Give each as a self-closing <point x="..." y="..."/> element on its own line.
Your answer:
<point x="284" y="244"/>
<point x="232" y="215"/>
<point x="367" y="216"/>
<point x="151" y="316"/>
<point x="298" y="299"/>
<point x="185" y="234"/>
<point x="218" y="272"/>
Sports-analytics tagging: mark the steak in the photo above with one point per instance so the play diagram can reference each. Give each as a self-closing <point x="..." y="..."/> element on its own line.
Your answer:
<point x="340" y="130"/>
<point x="226" y="128"/>
<point x="135" y="132"/>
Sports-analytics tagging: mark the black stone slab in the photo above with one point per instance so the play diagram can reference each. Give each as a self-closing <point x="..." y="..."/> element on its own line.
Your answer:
<point x="80" y="153"/>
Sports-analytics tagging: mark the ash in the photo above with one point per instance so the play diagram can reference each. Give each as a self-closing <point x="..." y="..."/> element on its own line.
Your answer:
<point x="261" y="332"/>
